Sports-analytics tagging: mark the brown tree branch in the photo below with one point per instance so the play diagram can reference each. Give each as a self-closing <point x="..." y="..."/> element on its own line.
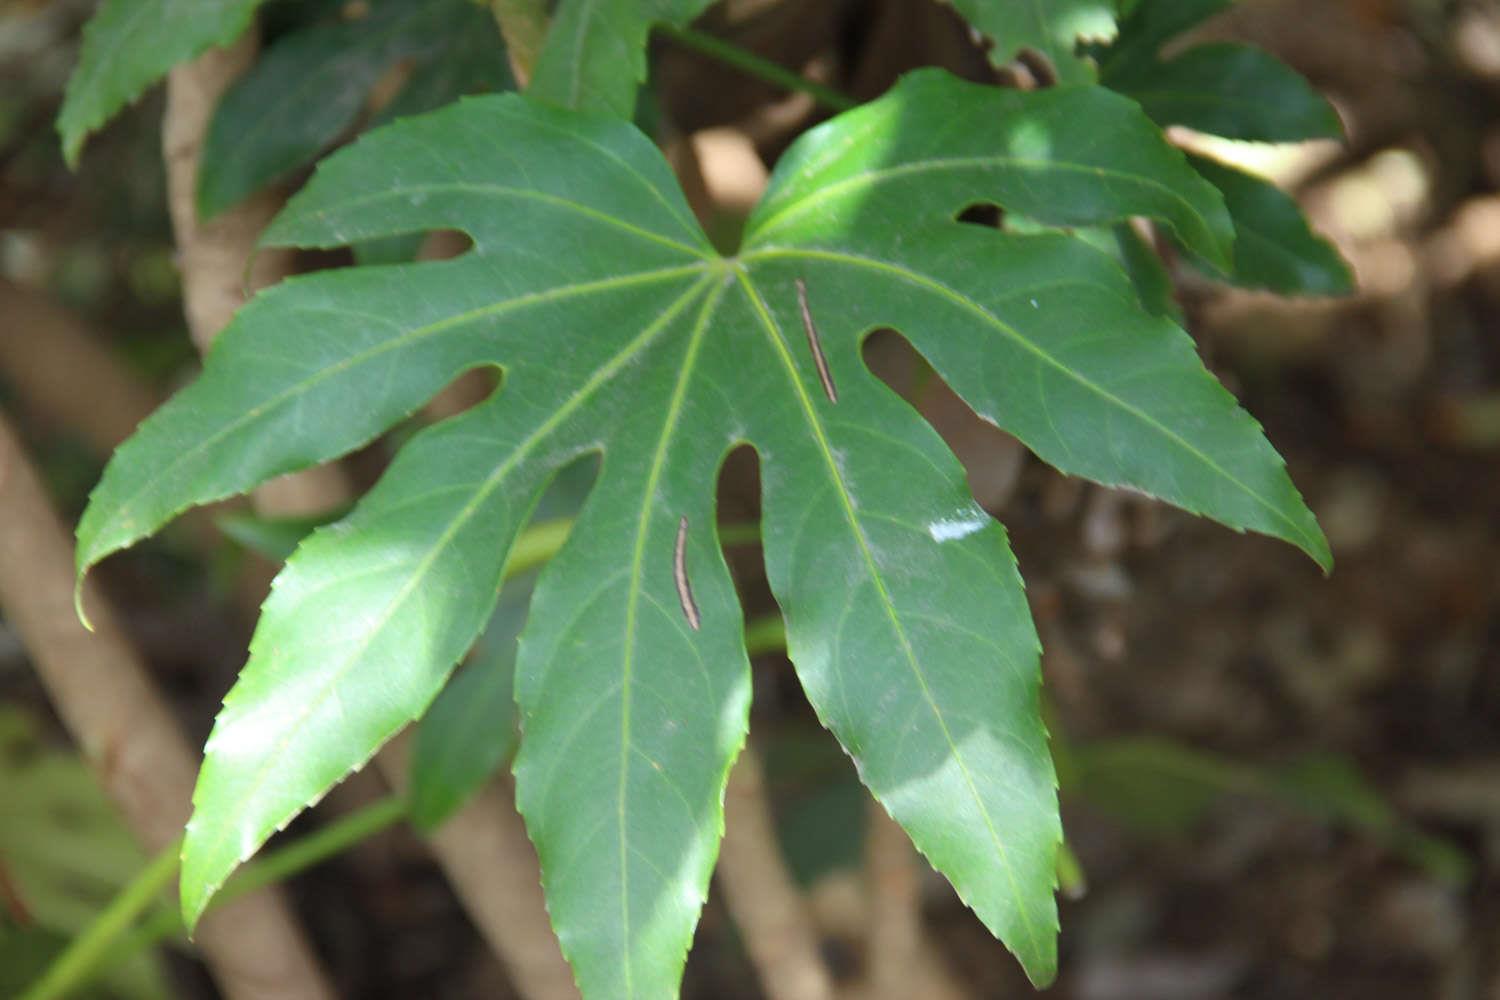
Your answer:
<point x="767" y="907"/>
<point x="523" y="25"/>
<point x="895" y="893"/>
<point x="105" y="697"/>
<point x="62" y="372"/>
<point x="901" y="962"/>
<point x="484" y="849"/>
<point x="217" y="257"/>
<point x="214" y="255"/>
<point x="492" y="866"/>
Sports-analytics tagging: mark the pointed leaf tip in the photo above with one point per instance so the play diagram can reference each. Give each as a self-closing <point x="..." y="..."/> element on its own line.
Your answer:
<point x="128" y="45"/>
<point x="78" y="608"/>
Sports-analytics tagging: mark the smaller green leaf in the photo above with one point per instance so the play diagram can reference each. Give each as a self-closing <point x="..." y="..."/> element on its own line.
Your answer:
<point x="1138" y="259"/>
<point x="594" y="57"/>
<point x="129" y="45"/>
<point x="472" y="727"/>
<point x="471" y="62"/>
<point x="276" y="538"/>
<point x="1229" y="90"/>
<point x="1333" y="788"/>
<point x="1153" y="284"/>
<point x="1276" y="249"/>
<point x="1052" y="29"/>
<point x="1163" y="788"/>
<point x="821" y="817"/>
<point x="25" y="954"/>
<point x="1152" y="785"/>
<point x="309" y="88"/>
<point x="1148" y="24"/>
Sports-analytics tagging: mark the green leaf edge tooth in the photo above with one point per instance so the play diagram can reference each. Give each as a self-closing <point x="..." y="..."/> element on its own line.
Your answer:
<point x="75" y="133"/>
<point x="1039" y="951"/>
<point x="192" y="905"/>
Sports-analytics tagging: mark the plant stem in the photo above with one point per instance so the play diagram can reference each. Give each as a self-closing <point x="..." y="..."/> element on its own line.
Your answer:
<point x="536" y="545"/>
<point x="323" y="843"/>
<point x="73" y="967"/>
<point x="123" y="726"/>
<point x="107" y="940"/>
<point x="765" y="635"/>
<point x="753" y="65"/>
<point x="739" y="533"/>
<point x="769" y="910"/>
<point x="1071" y="878"/>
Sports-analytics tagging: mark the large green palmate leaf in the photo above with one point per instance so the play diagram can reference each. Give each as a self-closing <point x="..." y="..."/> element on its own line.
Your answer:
<point x="1052" y="28"/>
<point x="620" y="331"/>
<point x="129" y="45"/>
<point x="594" y="57"/>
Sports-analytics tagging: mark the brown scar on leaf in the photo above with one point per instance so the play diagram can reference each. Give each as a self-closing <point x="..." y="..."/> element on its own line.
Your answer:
<point x="824" y="375"/>
<point x="680" y="576"/>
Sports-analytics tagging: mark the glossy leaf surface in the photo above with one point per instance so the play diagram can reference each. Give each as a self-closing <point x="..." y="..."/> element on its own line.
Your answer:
<point x="129" y="45"/>
<point x="621" y="332"/>
<point x="1229" y="90"/>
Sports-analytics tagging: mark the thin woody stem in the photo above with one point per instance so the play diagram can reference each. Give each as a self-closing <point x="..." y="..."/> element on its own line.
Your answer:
<point x="750" y="64"/>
